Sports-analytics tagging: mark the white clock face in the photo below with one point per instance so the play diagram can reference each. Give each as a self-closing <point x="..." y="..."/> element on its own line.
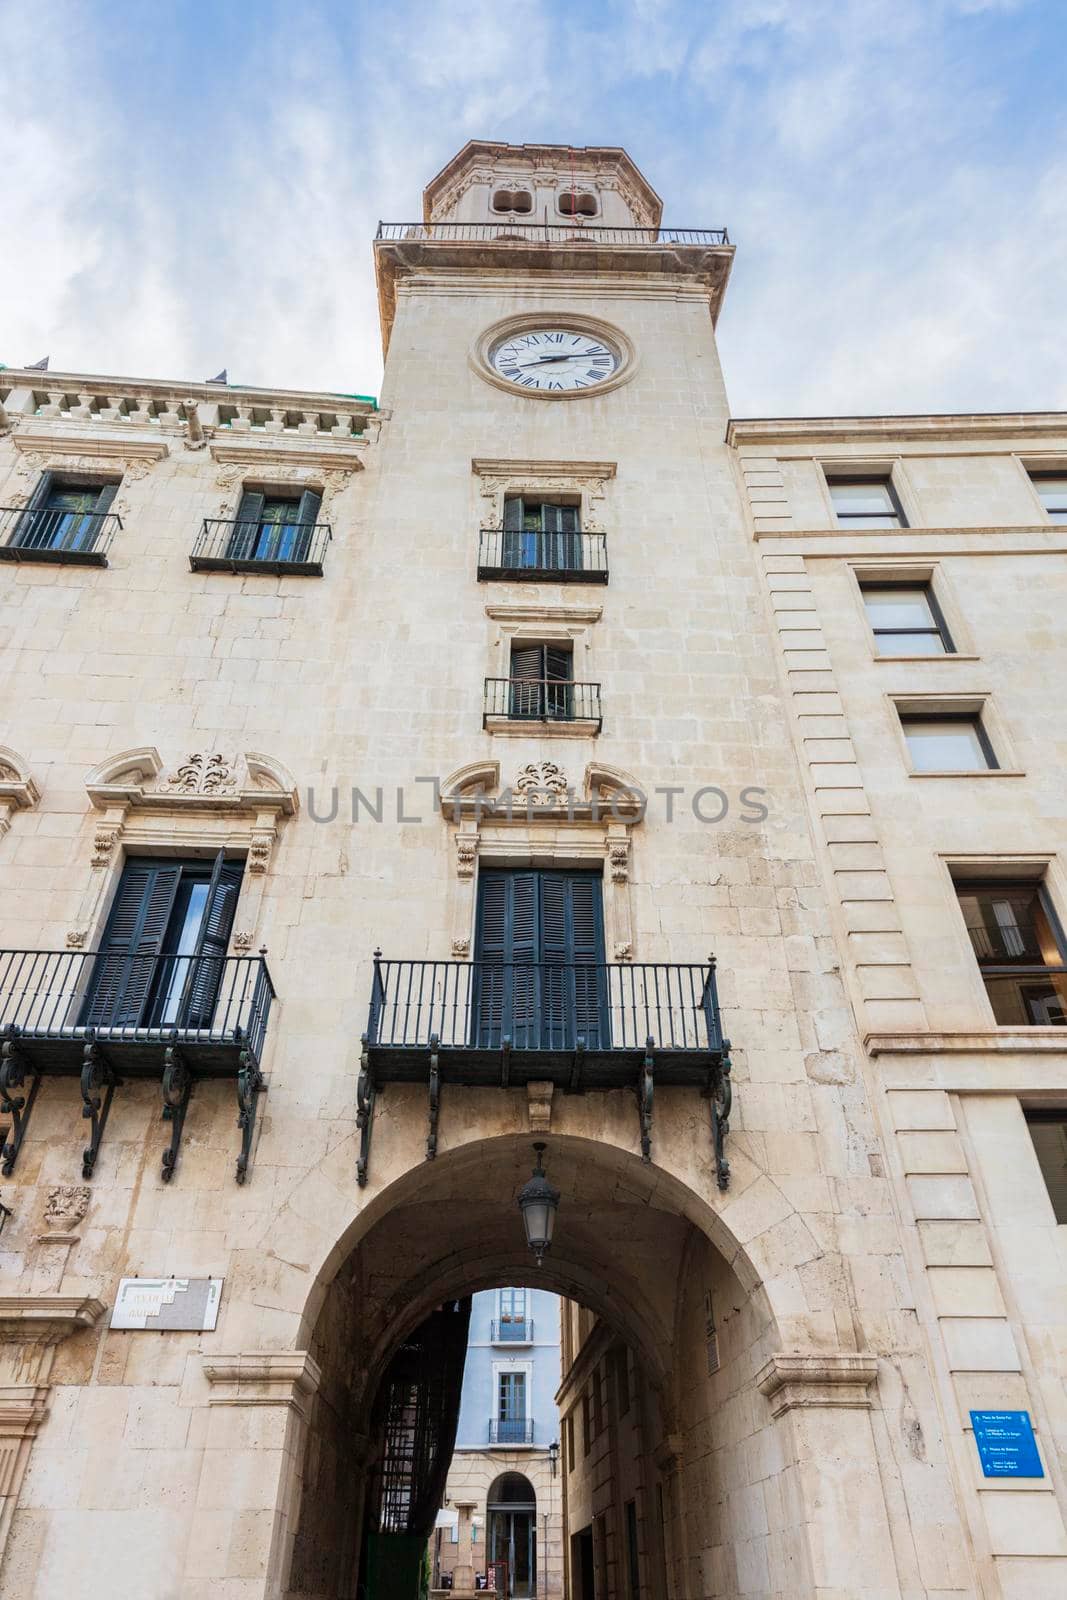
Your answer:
<point x="554" y="360"/>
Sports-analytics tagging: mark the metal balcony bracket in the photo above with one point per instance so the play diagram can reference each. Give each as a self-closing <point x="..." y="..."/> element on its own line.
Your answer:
<point x="720" y="1093"/>
<point x="98" y="1084"/>
<point x="577" y="1062"/>
<point x="177" y="1087"/>
<point x="505" y="1061"/>
<point x="249" y="1085"/>
<point x="13" y="1104"/>
<point x="364" y="1115"/>
<point x="435" y="1097"/>
<point x="645" y="1090"/>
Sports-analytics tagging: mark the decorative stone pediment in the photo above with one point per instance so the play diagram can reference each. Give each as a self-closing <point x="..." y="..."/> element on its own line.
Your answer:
<point x="206" y="800"/>
<point x="18" y="790"/>
<point x="541" y="815"/>
<point x="585" y="478"/>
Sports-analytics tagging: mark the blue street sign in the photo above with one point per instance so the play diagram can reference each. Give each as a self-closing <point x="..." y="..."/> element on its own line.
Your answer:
<point x="1006" y="1444"/>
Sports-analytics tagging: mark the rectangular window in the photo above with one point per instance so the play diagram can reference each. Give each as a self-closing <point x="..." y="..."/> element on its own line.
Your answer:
<point x="866" y="502"/>
<point x="162" y="955"/>
<point x="906" y="620"/>
<point x="621" y="1366"/>
<point x="513" y="1305"/>
<point x="539" y="970"/>
<point x="542" y="682"/>
<point x="64" y="515"/>
<point x="270" y="527"/>
<point x="948" y="743"/>
<point x="512" y="1422"/>
<point x="633" y="1572"/>
<point x="587" y="1424"/>
<point x="1048" y="1130"/>
<point x="1052" y="489"/>
<point x="568" y="1445"/>
<point x="1019" y="947"/>
<point x="541" y="536"/>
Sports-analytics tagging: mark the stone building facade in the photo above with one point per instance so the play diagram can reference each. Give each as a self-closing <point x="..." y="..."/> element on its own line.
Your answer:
<point x="506" y="1462"/>
<point x="249" y="638"/>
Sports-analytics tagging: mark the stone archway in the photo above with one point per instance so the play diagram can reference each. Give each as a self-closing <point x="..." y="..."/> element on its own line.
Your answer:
<point x="628" y="1249"/>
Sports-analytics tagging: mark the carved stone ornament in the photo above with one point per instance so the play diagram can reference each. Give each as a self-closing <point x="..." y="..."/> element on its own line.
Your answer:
<point x="259" y="851"/>
<point x="76" y="938"/>
<point x="104" y="842"/>
<point x="461" y="949"/>
<point x="66" y="1206"/>
<point x="203" y="774"/>
<point x="623" y="950"/>
<point x="242" y="942"/>
<point x="542" y="783"/>
<point x="466" y="854"/>
<point x="619" y="859"/>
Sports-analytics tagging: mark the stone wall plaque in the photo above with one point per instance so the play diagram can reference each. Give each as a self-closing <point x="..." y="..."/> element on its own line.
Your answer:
<point x="1006" y="1444"/>
<point x="189" y="1305"/>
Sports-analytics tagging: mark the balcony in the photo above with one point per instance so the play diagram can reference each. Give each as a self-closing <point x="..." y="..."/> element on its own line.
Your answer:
<point x="550" y="233"/>
<point x="73" y="538"/>
<point x="521" y="557"/>
<point x="580" y="1026"/>
<point x="75" y="1014"/>
<point x="551" y="700"/>
<point x="294" y="548"/>
<point x="519" y="1330"/>
<point x="511" y="1430"/>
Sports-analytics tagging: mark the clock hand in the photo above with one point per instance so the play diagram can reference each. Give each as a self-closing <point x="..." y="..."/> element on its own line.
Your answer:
<point x="568" y="355"/>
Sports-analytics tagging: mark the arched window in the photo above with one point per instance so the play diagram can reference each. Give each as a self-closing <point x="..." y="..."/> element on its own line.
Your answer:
<point x="514" y="201"/>
<point x="577" y="205"/>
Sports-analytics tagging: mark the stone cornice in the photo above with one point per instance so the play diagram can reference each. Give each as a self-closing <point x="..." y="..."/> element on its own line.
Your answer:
<point x="500" y="611"/>
<point x="485" y="152"/>
<point x="531" y="467"/>
<point x="39" y="438"/>
<point x="819" y="1378"/>
<point x="46" y="1318"/>
<point x="178" y="388"/>
<point x="263" y="1378"/>
<point x="978" y="1041"/>
<point x="742" y="431"/>
<point x="344" y="455"/>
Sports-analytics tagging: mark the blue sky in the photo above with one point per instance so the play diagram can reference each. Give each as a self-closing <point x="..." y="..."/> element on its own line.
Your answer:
<point x="196" y="185"/>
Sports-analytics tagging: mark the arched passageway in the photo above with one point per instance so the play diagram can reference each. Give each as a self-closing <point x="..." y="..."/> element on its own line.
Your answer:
<point x="683" y="1440"/>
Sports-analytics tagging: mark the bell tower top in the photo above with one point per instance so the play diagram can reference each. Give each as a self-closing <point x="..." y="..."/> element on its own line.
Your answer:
<point x="545" y="183"/>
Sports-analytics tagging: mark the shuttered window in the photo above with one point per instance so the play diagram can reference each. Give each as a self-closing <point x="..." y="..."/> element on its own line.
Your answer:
<point x="64" y="516"/>
<point x="160" y="960"/>
<point x="539" y="953"/>
<point x="274" y="527"/>
<point x="541" y="535"/>
<point x="542" y="679"/>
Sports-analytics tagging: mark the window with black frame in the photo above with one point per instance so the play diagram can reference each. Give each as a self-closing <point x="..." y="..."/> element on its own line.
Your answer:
<point x="541" y="536"/>
<point x="1048" y="1130"/>
<point x="947" y="741"/>
<point x="542" y="682"/>
<point x="865" y="501"/>
<point x="1019" y="946"/>
<point x="64" y="515"/>
<point x="274" y="527"/>
<point x="906" y="619"/>
<point x="162" y="955"/>
<point x="1052" y="492"/>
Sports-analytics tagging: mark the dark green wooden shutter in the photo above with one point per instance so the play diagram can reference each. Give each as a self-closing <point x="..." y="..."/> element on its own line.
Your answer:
<point x="207" y="967"/>
<point x="245" y="536"/>
<point x="527" y="672"/>
<point x="128" y="963"/>
<point x="506" y="950"/>
<point x="307" y="515"/>
<point x="586" y="897"/>
<point x="105" y="499"/>
<point x="32" y="527"/>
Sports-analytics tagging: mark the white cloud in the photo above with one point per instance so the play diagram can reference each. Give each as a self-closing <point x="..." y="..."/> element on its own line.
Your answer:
<point x="894" y="194"/>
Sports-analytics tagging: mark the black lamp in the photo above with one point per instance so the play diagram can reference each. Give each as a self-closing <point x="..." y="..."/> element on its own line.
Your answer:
<point x="538" y="1202"/>
<point x="553" y="1456"/>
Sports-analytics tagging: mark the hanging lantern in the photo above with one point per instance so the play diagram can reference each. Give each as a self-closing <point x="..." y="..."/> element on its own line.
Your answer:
<point x="538" y="1202"/>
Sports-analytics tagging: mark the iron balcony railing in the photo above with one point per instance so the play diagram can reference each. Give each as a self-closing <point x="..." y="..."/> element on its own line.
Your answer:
<point x="279" y="547"/>
<point x="570" y="232"/>
<point x="511" y="1430"/>
<point x="562" y="557"/>
<point x="541" y="700"/>
<point x="544" y="1006"/>
<point x="76" y="537"/>
<point x="61" y="998"/>
<point x="518" y="1331"/>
